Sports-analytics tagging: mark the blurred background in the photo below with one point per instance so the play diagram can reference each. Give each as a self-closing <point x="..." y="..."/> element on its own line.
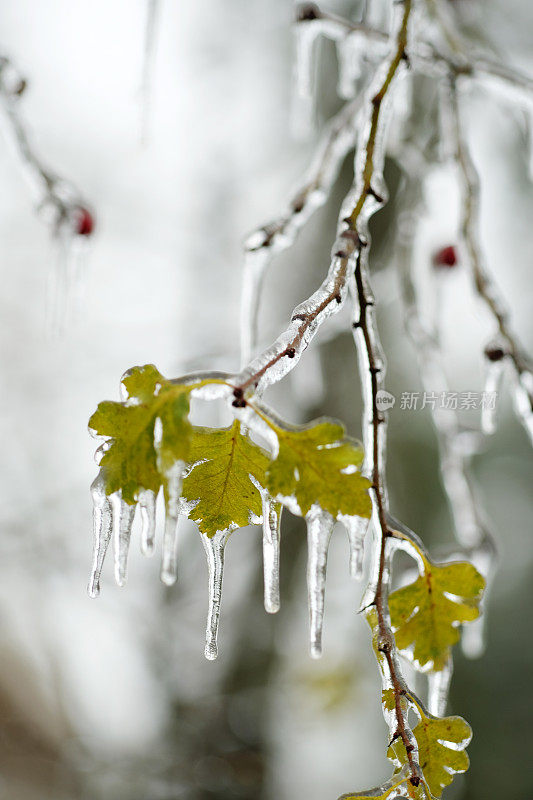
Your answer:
<point x="113" y="699"/>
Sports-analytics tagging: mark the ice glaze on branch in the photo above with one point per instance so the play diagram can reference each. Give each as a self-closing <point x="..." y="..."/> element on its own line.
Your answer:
<point x="278" y="235"/>
<point x="483" y="283"/>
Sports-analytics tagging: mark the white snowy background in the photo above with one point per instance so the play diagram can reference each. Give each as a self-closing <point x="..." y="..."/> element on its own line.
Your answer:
<point x="112" y="698"/>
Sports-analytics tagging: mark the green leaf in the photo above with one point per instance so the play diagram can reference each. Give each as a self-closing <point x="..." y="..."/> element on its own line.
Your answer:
<point x="426" y="614"/>
<point x="311" y="466"/>
<point x="220" y="480"/>
<point x="131" y="460"/>
<point x="398" y="786"/>
<point x="441" y="749"/>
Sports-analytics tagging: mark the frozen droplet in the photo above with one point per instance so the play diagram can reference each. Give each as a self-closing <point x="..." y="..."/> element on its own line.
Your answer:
<point x="214" y="551"/>
<point x="122" y="532"/>
<point x="356" y="528"/>
<point x="102" y="529"/>
<point x="438" y="687"/>
<point x="169" y="565"/>
<point x="147" y="507"/>
<point x="271" y="547"/>
<point x="319" y="528"/>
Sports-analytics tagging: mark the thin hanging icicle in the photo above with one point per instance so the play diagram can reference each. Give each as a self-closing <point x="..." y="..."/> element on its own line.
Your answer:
<point x="495" y="365"/>
<point x="214" y="551"/>
<point x="147" y="507"/>
<point x="103" y="527"/>
<point x="122" y="535"/>
<point x="356" y="528"/>
<point x="319" y="527"/>
<point x="152" y="13"/>
<point x="307" y="30"/>
<point x="271" y="547"/>
<point x="438" y="688"/>
<point x="169" y="564"/>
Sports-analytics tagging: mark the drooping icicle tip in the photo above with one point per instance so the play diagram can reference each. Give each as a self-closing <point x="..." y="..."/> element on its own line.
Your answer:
<point x="271" y="553"/>
<point x="319" y="527"/>
<point x="102" y="529"/>
<point x="122" y="538"/>
<point x="214" y="551"/>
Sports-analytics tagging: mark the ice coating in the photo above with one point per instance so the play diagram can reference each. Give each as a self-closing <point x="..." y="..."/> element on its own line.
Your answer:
<point x="214" y="551"/>
<point x="271" y="551"/>
<point x="306" y="35"/>
<point x="147" y="500"/>
<point x="356" y="528"/>
<point x="319" y="527"/>
<point x="273" y="238"/>
<point x="124" y="514"/>
<point x="493" y="380"/>
<point x="438" y="689"/>
<point x="56" y="200"/>
<point x="169" y="564"/>
<point x="523" y="394"/>
<point x="482" y="280"/>
<point x="102" y="529"/>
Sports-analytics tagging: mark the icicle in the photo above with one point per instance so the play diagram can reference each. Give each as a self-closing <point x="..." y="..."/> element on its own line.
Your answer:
<point x="214" y="550"/>
<point x="349" y="56"/>
<point x="122" y="539"/>
<point x="103" y="526"/>
<point x="256" y="260"/>
<point x="271" y="540"/>
<point x="304" y="103"/>
<point x="66" y="286"/>
<point x="523" y="395"/>
<point x="438" y="686"/>
<point x="169" y="566"/>
<point x="356" y="528"/>
<point x="148" y="67"/>
<point x="147" y="506"/>
<point x="319" y="527"/>
<point x="495" y="363"/>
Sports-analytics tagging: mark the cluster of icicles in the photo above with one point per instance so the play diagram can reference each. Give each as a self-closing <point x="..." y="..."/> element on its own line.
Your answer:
<point x="113" y="519"/>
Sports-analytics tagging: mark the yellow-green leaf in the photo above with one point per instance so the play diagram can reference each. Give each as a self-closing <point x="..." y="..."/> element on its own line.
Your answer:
<point x="441" y="749"/>
<point x="398" y="786"/>
<point x="426" y="614"/>
<point x="220" y="480"/>
<point x="131" y="459"/>
<point x="318" y="464"/>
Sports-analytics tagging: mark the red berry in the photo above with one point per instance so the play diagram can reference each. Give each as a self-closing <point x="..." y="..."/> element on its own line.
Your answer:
<point x="445" y="257"/>
<point x="83" y="221"/>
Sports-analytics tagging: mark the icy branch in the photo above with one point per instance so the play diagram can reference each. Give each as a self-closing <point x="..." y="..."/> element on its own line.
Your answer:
<point x="483" y="283"/>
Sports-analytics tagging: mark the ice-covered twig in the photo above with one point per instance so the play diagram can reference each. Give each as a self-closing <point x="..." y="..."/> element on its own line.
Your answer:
<point x="54" y="195"/>
<point x="58" y="201"/>
<point x="456" y="445"/>
<point x="483" y="283"/>
<point x="269" y="240"/>
<point x="424" y="56"/>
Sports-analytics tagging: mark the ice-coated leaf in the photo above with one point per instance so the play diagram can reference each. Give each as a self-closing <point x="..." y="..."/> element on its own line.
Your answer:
<point x="318" y="464"/>
<point x="132" y="459"/>
<point x="398" y="786"/>
<point x="441" y="749"/>
<point x="220" y="481"/>
<point x="426" y="614"/>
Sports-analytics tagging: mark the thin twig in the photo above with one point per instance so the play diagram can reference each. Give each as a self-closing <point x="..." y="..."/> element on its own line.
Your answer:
<point x="469" y="227"/>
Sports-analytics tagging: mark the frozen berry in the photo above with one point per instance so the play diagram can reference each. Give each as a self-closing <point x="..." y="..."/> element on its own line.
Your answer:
<point x="83" y="222"/>
<point x="446" y="257"/>
<point x="494" y="352"/>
